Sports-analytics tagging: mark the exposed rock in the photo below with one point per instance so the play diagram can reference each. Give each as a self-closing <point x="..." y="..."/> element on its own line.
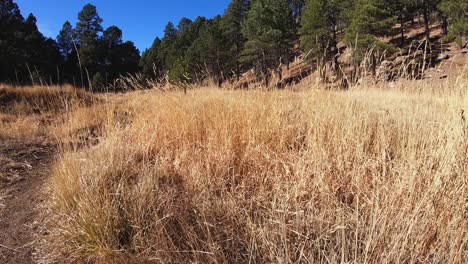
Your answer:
<point x="385" y="71"/>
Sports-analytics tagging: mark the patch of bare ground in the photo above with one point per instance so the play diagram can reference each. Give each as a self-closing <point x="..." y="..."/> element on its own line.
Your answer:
<point x="28" y="118"/>
<point x="23" y="169"/>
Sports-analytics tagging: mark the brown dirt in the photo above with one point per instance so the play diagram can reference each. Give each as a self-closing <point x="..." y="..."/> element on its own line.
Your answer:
<point x="23" y="170"/>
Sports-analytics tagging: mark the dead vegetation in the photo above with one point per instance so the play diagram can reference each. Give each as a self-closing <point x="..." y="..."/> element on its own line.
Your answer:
<point x="30" y="113"/>
<point x="32" y="100"/>
<point x="374" y="174"/>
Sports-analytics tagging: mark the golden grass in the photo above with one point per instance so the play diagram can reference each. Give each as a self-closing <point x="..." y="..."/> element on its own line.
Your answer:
<point x="29" y="113"/>
<point x="371" y="175"/>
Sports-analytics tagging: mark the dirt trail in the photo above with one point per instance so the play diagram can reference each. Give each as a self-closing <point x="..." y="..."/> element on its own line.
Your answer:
<point x="23" y="170"/>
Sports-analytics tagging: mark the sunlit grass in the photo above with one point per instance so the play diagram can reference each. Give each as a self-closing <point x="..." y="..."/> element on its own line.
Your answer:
<point x="376" y="174"/>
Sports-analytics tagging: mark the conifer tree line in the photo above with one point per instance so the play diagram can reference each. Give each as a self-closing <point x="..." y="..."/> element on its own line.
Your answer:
<point x="85" y="55"/>
<point x="263" y="35"/>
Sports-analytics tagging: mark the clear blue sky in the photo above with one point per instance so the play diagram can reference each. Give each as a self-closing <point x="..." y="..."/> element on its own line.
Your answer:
<point x="140" y="20"/>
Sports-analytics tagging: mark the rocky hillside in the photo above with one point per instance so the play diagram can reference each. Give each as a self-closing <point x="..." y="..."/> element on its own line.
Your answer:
<point x="414" y="58"/>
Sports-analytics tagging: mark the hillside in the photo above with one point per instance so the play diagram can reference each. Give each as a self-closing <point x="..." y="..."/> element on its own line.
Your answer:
<point x="413" y="60"/>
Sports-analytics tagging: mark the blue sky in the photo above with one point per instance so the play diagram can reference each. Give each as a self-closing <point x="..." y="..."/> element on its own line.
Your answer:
<point x="140" y="20"/>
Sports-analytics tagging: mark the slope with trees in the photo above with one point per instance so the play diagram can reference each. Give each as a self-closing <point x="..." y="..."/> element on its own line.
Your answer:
<point x="263" y="35"/>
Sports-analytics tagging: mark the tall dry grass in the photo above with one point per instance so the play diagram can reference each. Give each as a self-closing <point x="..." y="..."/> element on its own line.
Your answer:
<point x="371" y="175"/>
<point x="29" y="113"/>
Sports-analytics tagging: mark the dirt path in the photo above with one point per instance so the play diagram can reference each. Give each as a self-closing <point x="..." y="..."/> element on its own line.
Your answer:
<point x="23" y="170"/>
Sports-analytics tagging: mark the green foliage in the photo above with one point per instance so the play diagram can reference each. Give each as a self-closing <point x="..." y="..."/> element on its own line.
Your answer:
<point x="457" y="11"/>
<point x="65" y="40"/>
<point x="24" y="51"/>
<point x="370" y="19"/>
<point x="98" y="82"/>
<point x="209" y="52"/>
<point x="105" y="54"/>
<point x="150" y="64"/>
<point x="112" y="37"/>
<point x="270" y="32"/>
<point x="231" y="28"/>
<point x="251" y="33"/>
<point x="88" y="26"/>
<point x="320" y="23"/>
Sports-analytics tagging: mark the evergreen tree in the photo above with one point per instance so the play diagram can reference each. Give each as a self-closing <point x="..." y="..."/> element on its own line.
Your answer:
<point x="270" y="31"/>
<point x="403" y="11"/>
<point x="209" y="52"/>
<point x="10" y="53"/>
<point x="150" y="63"/>
<point x="41" y="52"/>
<point x="24" y="51"/>
<point x="86" y="31"/>
<point x="424" y="8"/>
<point x="231" y="26"/>
<point x="320" y="24"/>
<point x="370" y="19"/>
<point x="112" y="37"/>
<point x="457" y="11"/>
<point x="122" y="59"/>
<point x="67" y="48"/>
<point x="115" y="57"/>
<point x="9" y="13"/>
<point x="65" y="40"/>
<point x="166" y="47"/>
<point x="88" y="26"/>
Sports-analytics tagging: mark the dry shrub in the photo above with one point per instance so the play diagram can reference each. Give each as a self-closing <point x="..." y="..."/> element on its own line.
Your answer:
<point x="366" y="176"/>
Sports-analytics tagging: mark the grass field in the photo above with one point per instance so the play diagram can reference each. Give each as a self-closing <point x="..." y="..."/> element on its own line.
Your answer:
<point x="376" y="174"/>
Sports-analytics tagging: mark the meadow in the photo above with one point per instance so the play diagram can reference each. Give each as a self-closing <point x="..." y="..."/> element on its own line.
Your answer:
<point x="374" y="174"/>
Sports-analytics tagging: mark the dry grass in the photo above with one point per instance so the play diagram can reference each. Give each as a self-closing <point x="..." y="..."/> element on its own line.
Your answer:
<point x="30" y="100"/>
<point x="29" y="113"/>
<point x="371" y="175"/>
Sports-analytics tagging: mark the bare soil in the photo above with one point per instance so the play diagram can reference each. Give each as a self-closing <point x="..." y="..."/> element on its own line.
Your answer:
<point x="23" y="170"/>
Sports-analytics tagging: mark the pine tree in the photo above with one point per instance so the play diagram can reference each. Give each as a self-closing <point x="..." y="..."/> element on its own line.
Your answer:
<point x="86" y="31"/>
<point x="150" y="63"/>
<point x="65" y="40"/>
<point x="209" y="52"/>
<point x="22" y="45"/>
<point x="112" y="37"/>
<point x="231" y="26"/>
<point x="320" y="23"/>
<point x="88" y="26"/>
<point x="11" y="21"/>
<point x="457" y="11"/>
<point x="123" y="58"/>
<point x="9" y="14"/>
<point x="370" y="19"/>
<point x="165" y="51"/>
<point x="270" y="31"/>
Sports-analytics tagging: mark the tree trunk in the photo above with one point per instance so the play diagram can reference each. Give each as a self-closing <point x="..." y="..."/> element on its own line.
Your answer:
<point x="426" y="22"/>
<point x="444" y="24"/>
<point x="402" y="30"/>
<point x="373" y="65"/>
<point x="264" y="69"/>
<point x="237" y="63"/>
